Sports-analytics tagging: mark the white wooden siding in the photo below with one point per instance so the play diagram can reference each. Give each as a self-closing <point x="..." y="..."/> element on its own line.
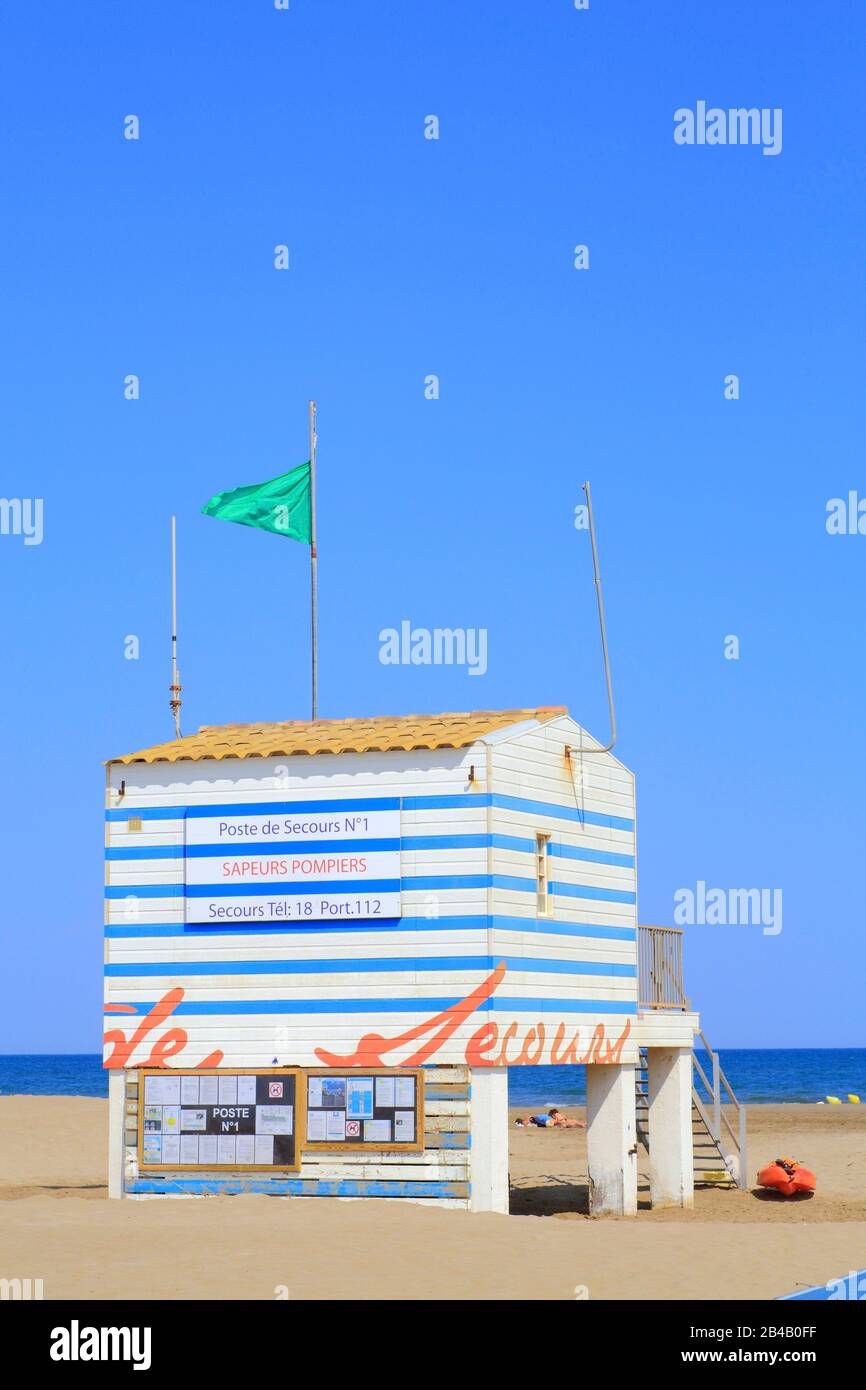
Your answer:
<point x="530" y="765"/>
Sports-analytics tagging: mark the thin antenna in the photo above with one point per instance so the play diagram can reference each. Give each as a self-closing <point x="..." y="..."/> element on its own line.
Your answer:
<point x="608" y="746"/>
<point x="175" y="687"/>
<point x="314" y="560"/>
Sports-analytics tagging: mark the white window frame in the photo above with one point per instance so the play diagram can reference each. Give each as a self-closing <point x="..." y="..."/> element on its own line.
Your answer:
<point x="543" y="897"/>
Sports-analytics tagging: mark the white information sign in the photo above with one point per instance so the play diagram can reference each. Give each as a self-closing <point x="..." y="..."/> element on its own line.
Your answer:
<point x="292" y="862"/>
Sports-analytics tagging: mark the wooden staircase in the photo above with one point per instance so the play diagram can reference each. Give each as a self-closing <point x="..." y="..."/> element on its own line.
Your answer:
<point x="719" y="1147"/>
<point x="719" y="1151"/>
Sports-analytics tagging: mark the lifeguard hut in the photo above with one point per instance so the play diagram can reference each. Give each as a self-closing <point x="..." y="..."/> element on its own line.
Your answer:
<point x="327" y="941"/>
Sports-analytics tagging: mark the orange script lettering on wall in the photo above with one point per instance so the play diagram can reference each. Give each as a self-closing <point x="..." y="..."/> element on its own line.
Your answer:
<point x="486" y="1047"/>
<point x="497" y="1043"/>
<point x="173" y="1041"/>
<point x="373" y="1046"/>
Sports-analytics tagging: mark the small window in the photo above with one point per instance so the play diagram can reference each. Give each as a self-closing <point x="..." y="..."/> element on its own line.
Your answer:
<point x="542" y="882"/>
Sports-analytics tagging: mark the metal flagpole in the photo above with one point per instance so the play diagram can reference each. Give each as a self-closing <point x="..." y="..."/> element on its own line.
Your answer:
<point x="314" y="598"/>
<point x="175" y="687"/>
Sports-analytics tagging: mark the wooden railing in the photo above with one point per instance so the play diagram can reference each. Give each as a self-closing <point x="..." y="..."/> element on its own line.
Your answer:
<point x="660" y="968"/>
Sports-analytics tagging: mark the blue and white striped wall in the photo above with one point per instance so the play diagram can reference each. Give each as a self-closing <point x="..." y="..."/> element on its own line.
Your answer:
<point x="467" y="879"/>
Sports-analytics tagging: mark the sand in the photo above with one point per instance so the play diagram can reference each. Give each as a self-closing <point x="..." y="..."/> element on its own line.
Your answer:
<point x="57" y="1224"/>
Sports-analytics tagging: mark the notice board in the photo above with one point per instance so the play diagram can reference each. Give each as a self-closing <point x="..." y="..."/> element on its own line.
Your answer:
<point x="237" y="1120"/>
<point x="379" y="1108"/>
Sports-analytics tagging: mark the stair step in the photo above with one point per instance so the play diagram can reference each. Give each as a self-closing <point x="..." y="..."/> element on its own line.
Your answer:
<point x="710" y="1156"/>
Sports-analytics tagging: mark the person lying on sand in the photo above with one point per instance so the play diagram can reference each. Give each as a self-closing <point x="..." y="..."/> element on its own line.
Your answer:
<point x="556" y="1117"/>
<point x="553" y="1119"/>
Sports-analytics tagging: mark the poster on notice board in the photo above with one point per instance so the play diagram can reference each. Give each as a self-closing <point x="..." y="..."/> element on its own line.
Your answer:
<point x="376" y="1109"/>
<point x="238" y="1120"/>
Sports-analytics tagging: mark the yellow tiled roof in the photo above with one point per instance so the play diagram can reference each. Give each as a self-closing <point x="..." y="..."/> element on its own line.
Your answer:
<point x="383" y="733"/>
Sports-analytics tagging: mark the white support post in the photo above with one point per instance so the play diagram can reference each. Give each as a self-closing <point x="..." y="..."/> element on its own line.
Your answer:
<point x="672" y="1170"/>
<point x="611" y="1139"/>
<point x="116" y="1122"/>
<point x="488" y="1154"/>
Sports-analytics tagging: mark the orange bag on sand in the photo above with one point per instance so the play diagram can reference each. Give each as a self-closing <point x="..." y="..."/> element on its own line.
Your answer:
<point x="787" y="1176"/>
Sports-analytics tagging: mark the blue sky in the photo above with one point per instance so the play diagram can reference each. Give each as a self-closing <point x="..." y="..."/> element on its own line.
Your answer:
<point x="455" y="257"/>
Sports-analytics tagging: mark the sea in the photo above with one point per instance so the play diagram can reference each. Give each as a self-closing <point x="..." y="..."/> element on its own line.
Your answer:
<point x="758" y="1076"/>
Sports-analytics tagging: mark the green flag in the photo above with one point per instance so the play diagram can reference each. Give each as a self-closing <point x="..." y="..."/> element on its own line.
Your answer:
<point x="281" y="505"/>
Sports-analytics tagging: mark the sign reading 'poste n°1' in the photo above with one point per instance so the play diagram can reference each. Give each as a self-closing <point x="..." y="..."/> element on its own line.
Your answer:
<point x="292" y="862"/>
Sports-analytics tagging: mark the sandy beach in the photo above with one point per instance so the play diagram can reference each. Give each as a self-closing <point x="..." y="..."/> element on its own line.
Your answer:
<point x="57" y="1224"/>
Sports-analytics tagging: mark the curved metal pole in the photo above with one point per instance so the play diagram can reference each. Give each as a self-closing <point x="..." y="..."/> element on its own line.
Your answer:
<point x="608" y="746"/>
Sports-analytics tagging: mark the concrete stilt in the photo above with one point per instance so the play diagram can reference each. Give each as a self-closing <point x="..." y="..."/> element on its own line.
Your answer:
<point x="672" y="1172"/>
<point x="116" y="1112"/>
<point x="488" y="1157"/>
<point x="611" y="1140"/>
